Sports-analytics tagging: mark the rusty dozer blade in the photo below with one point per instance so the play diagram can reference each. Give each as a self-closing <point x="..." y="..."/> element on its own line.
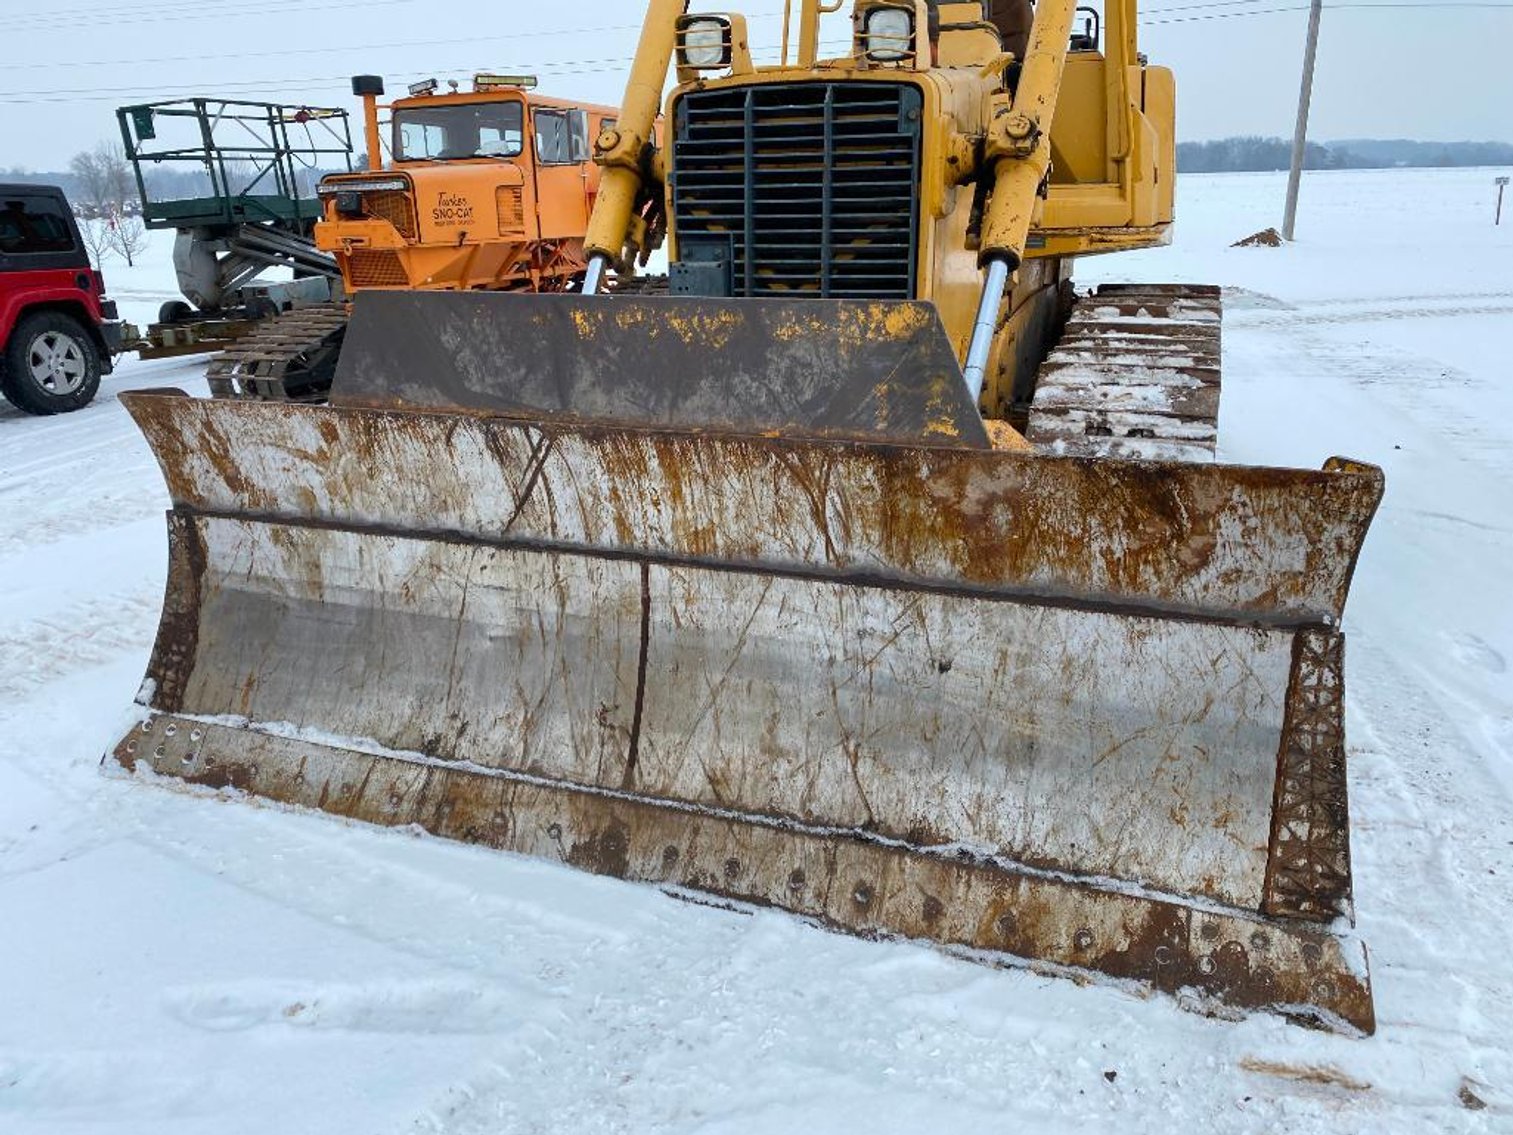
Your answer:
<point x="1081" y="713"/>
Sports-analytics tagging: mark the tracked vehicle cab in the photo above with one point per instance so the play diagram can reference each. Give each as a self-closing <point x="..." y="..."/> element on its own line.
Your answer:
<point x="486" y="188"/>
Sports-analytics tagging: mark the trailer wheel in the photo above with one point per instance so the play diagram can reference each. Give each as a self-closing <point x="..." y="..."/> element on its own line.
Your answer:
<point x="51" y="364"/>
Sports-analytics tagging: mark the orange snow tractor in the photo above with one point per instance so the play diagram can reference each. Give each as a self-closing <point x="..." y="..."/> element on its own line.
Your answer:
<point x="488" y="189"/>
<point x="871" y="574"/>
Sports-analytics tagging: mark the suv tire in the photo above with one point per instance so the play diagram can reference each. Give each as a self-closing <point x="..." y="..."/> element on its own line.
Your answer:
<point x="51" y="364"/>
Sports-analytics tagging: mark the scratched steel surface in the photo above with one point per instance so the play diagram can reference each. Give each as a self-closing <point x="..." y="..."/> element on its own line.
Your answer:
<point x="833" y="368"/>
<point x="1229" y="542"/>
<point x="1062" y="738"/>
<point x="1210" y="957"/>
<point x="1059" y="665"/>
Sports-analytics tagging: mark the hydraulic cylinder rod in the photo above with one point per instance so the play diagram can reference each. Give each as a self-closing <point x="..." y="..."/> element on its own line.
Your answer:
<point x="993" y="290"/>
<point x="621" y="150"/>
<point x="1019" y="153"/>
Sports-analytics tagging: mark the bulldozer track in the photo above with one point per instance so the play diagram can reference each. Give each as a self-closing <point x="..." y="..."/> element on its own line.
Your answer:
<point x="290" y="358"/>
<point x="637" y="286"/>
<point x="1136" y="374"/>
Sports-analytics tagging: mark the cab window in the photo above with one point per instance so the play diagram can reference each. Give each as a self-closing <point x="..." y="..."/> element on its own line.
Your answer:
<point x="33" y="225"/>
<point x="459" y="130"/>
<point x="561" y="137"/>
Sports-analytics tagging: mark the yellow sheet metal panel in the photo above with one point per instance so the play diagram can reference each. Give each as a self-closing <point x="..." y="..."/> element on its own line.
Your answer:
<point x="1161" y="113"/>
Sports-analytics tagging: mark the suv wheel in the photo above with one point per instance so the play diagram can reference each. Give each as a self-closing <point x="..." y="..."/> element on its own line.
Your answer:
<point x="51" y="364"/>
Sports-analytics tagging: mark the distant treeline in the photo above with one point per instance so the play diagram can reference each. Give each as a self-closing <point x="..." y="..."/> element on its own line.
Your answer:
<point x="169" y="184"/>
<point x="1227" y="155"/>
<point x="1238" y="155"/>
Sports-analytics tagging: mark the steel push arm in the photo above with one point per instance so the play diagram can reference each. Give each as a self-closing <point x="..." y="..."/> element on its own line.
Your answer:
<point x="621" y="151"/>
<point x="1018" y="151"/>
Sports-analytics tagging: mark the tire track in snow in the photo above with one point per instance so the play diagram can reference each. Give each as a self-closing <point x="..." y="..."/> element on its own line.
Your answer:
<point x="1419" y="299"/>
<point x="1300" y="316"/>
<point x="108" y="508"/>
<point x="56" y="483"/>
<point x="80" y="636"/>
<point x="78" y="1087"/>
<point x="603" y="971"/>
<point x="1433" y="846"/>
<point x="77" y="473"/>
<point x="1435" y="397"/>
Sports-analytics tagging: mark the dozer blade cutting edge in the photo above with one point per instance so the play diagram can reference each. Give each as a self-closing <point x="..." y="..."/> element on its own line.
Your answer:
<point x="1083" y="713"/>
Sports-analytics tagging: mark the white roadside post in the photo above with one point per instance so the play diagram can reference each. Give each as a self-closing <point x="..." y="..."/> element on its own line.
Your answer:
<point x="1502" y="184"/>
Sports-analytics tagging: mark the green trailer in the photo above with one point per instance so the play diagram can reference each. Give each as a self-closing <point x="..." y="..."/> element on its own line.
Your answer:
<point x="235" y="180"/>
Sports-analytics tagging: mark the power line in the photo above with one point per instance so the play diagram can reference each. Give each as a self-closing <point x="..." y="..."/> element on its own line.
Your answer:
<point x="353" y="49"/>
<point x="1158" y="22"/>
<point x="348" y="50"/>
<point x="551" y="70"/>
<point x="55" y="21"/>
<point x="274" y="86"/>
<point x="1152" y="10"/>
<point x="1420" y="5"/>
<point x="109" y="9"/>
<point x="85" y="18"/>
<point x="169" y="89"/>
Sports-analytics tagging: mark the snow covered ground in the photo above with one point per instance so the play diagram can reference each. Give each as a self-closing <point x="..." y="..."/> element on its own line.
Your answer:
<point x="175" y="964"/>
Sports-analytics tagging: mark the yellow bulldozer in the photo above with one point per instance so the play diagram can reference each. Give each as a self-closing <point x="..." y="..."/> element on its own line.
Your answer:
<point x="871" y="574"/>
<point x="488" y="188"/>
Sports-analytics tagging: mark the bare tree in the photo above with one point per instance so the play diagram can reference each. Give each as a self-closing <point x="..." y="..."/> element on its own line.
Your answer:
<point x="122" y="179"/>
<point x="244" y="176"/>
<point x="127" y="236"/>
<point x="104" y="177"/>
<point x="95" y="232"/>
<point x="92" y="188"/>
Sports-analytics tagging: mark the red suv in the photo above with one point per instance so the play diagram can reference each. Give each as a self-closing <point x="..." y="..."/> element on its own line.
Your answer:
<point x="57" y="329"/>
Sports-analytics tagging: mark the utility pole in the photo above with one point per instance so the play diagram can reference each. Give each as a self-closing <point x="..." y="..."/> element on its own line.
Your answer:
<point x="1300" y="138"/>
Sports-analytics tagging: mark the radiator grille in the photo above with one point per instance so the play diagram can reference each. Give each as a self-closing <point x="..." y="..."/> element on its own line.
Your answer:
<point x="510" y="200"/>
<point x="808" y="188"/>
<point x="377" y="269"/>
<point x="392" y="206"/>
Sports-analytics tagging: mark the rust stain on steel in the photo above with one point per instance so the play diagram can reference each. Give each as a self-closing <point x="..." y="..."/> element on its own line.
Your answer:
<point x="833" y="368"/>
<point x="1047" y="661"/>
<point x="176" y="651"/>
<point x="1308" y="869"/>
<point x="840" y="880"/>
<point x="1059" y="737"/>
<point x="1225" y="542"/>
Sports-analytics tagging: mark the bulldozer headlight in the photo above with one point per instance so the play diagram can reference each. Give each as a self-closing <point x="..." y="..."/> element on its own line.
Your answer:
<point x="704" y="43"/>
<point x="888" y="34"/>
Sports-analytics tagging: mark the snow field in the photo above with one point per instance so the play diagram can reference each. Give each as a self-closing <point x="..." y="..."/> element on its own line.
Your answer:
<point x="179" y="963"/>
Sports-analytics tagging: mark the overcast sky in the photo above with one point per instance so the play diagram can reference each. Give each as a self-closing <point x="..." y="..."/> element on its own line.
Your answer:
<point x="1426" y="69"/>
